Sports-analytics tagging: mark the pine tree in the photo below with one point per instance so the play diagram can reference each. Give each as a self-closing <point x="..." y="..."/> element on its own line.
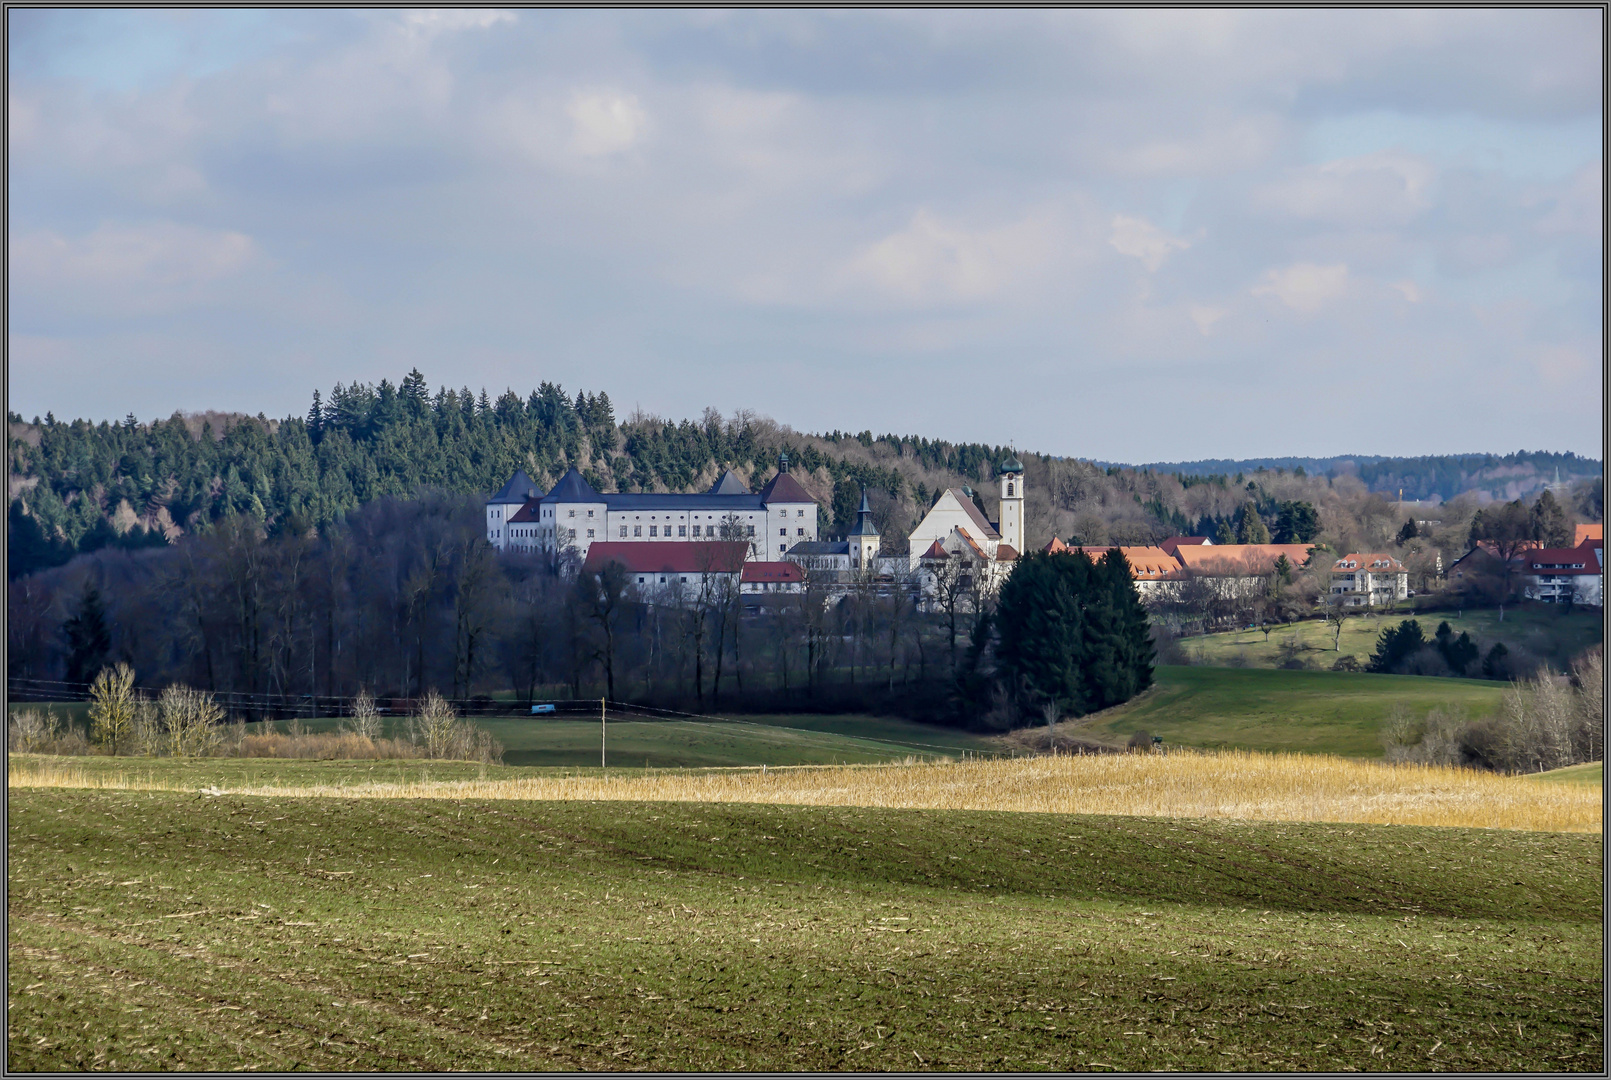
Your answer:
<point x="1252" y="530"/>
<point x="88" y="640"/>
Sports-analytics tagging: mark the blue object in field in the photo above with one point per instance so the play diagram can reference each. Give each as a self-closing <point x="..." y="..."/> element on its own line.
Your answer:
<point x="535" y="709"/>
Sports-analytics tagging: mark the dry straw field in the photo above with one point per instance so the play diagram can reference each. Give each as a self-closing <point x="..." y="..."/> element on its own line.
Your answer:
<point x="1227" y="785"/>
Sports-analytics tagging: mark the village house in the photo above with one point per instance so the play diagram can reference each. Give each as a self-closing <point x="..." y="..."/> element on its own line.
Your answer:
<point x="1565" y="575"/>
<point x="1369" y="580"/>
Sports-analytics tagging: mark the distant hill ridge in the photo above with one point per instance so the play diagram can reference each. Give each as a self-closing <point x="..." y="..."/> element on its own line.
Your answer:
<point x="1435" y="475"/>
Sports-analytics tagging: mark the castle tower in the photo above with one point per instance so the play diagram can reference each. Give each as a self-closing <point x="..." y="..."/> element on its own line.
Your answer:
<point x="863" y="538"/>
<point x="1011" y="527"/>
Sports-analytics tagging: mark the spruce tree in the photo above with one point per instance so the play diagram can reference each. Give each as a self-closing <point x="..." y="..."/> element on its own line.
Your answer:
<point x="88" y="640"/>
<point x="1252" y="530"/>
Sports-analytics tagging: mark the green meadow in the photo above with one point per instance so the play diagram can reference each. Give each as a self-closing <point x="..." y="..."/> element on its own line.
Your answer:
<point x="1318" y="712"/>
<point x="1552" y="634"/>
<point x="179" y="931"/>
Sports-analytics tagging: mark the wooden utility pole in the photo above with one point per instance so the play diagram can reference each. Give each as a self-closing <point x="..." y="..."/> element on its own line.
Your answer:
<point x="601" y="733"/>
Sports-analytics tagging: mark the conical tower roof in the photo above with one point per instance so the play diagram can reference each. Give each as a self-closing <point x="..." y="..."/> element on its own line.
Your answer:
<point x="517" y="490"/>
<point x="728" y="484"/>
<point x="864" y="519"/>
<point x="572" y="489"/>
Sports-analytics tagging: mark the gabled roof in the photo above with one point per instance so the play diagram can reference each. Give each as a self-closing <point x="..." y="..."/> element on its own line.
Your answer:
<point x="1369" y="561"/>
<point x="728" y="484"/>
<point x="784" y="488"/>
<point x="572" y="489"/>
<point x="772" y="571"/>
<point x="517" y="490"/>
<point x="1578" y="560"/>
<point x="1146" y="563"/>
<point x="677" y="557"/>
<point x="1174" y="542"/>
<point x="973" y="514"/>
<point x="978" y="551"/>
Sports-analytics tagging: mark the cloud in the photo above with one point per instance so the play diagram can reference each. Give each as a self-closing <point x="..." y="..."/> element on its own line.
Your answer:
<point x="1390" y="187"/>
<point x="1304" y="287"/>
<point x="154" y="266"/>
<point x="1141" y="239"/>
<point x="432" y="21"/>
<point x="605" y="123"/>
<point x="1205" y="316"/>
<point x="932" y="261"/>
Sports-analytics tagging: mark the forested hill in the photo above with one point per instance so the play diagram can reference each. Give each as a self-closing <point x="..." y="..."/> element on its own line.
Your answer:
<point x="1444" y="476"/>
<point x="77" y="486"/>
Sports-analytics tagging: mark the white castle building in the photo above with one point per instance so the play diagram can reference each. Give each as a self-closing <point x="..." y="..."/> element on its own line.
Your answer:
<point x="568" y="519"/>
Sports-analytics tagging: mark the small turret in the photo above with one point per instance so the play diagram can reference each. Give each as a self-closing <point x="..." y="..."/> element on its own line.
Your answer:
<point x="864" y="537"/>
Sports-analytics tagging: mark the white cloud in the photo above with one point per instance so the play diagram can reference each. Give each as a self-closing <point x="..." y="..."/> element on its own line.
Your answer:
<point x="1141" y="239"/>
<point x="1215" y="148"/>
<point x="430" y="21"/>
<point x="128" y="268"/>
<point x="1304" y="287"/>
<point x="605" y="123"/>
<point x="934" y="261"/>
<point x="1205" y="316"/>
<point x="1388" y="187"/>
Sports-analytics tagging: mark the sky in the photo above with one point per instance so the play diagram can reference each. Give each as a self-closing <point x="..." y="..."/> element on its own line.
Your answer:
<point x="1132" y="235"/>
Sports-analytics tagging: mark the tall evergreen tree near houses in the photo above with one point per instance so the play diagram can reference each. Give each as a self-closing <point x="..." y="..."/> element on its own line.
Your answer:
<point x="1251" y="529"/>
<point x="1072" y="633"/>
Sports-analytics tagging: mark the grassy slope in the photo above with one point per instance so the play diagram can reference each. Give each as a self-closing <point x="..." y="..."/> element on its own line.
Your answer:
<point x="796" y="739"/>
<point x="1550" y="634"/>
<point x="159" y="931"/>
<point x="1306" y="711"/>
<point x="1592" y="773"/>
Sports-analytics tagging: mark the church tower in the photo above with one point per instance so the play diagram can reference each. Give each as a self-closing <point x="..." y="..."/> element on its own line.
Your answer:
<point x="1011" y="527"/>
<point x="863" y="538"/>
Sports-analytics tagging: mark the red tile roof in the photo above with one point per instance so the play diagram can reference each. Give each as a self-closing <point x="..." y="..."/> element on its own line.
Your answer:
<point x="936" y="551"/>
<point x="1589" y="532"/>
<point x="1174" y="542"/>
<point x="772" y="571"/>
<point x="527" y="513"/>
<point x="1239" y="560"/>
<point x="1006" y="553"/>
<point x="675" y="557"/>
<point x="1146" y="563"/>
<point x="1578" y="560"/>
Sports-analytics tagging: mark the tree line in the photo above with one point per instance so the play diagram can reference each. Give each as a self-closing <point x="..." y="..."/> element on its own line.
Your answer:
<point x="405" y="596"/>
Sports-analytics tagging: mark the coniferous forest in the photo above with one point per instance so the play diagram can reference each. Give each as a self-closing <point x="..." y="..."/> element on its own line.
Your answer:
<point x="277" y="562"/>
